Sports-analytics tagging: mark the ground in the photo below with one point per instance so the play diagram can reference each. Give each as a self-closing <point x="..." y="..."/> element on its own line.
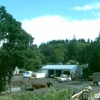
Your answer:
<point x="78" y="85"/>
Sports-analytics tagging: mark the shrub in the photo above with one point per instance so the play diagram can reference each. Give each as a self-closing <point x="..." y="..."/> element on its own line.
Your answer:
<point x="53" y="94"/>
<point x="64" y="94"/>
<point x="38" y="85"/>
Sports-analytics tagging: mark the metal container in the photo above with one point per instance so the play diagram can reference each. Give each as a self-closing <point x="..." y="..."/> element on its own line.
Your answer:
<point x="96" y="77"/>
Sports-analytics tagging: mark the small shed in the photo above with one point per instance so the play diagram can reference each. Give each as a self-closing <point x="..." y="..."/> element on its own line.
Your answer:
<point x="57" y="70"/>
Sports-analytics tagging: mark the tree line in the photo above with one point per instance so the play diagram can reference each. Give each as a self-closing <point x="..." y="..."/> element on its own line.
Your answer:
<point x="17" y="49"/>
<point x="64" y="52"/>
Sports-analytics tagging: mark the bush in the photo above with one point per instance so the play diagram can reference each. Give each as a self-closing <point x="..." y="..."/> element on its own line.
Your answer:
<point x="64" y="94"/>
<point x="53" y="94"/>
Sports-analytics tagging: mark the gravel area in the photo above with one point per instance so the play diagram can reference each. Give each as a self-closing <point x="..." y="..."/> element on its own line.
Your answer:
<point x="75" y="84"/>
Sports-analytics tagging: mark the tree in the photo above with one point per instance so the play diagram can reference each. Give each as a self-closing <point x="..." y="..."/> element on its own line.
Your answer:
<point x="81" y="40"/>
<point x="33" y="58"/>
<point x="14" y="41"/>
<point x="59" y="52"/>
<point x="73" y="50"/>
<point x="47" y="50"/>
<point x="81" y="52"/>
<point x="94" y="56"/>
<point x="58" y="56"/>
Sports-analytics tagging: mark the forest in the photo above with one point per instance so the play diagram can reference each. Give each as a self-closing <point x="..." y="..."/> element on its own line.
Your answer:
<point x="71" y="52"/>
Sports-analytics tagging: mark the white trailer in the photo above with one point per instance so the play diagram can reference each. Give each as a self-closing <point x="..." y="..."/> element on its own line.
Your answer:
<point x="39" y="75"/>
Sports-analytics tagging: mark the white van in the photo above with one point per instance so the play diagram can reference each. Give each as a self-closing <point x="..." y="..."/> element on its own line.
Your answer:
<point x="28" y="74"/>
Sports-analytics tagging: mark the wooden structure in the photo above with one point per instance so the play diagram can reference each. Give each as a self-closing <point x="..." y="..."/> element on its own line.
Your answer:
<point x="85" y="94"/>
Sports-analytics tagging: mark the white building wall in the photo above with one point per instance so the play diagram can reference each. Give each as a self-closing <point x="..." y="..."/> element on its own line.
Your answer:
<point x="46" y="72"/>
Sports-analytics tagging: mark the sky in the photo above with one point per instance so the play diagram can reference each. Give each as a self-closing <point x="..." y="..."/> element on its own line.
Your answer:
<point x="48" y="20"/>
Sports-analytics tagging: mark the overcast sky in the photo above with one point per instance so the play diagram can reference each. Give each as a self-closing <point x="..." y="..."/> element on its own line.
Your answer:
<point x="48" y="20"/>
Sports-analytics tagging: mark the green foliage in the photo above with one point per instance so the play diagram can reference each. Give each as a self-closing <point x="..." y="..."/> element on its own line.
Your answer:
<point x="81" y="52"/>
<point x="25" y="96"/>
<point x="60" y="51"/>
<point x="33" y="58"/>
<point x="94" y="55"/>
<point x="14" y="43"/>
<point x="73" y="49"/>
<point x="63" y="94"/>
<point x="6" y="98"/>
<point x="72" y="62"/>
<point x="85" y="72"/>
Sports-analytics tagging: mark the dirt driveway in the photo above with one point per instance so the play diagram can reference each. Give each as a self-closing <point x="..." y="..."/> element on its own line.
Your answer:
<point x="58" y="85"/>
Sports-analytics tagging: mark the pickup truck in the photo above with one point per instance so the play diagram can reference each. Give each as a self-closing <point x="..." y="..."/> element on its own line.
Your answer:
<point x="64" y="78"/>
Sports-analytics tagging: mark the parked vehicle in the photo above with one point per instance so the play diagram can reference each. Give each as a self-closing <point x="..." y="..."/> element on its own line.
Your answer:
<point x="28" y="74"/>
<point x="96" y="78"/>
<point x="38" y="75"/>
<point x="64" y="78"/>
<point x="52" y="76"/>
